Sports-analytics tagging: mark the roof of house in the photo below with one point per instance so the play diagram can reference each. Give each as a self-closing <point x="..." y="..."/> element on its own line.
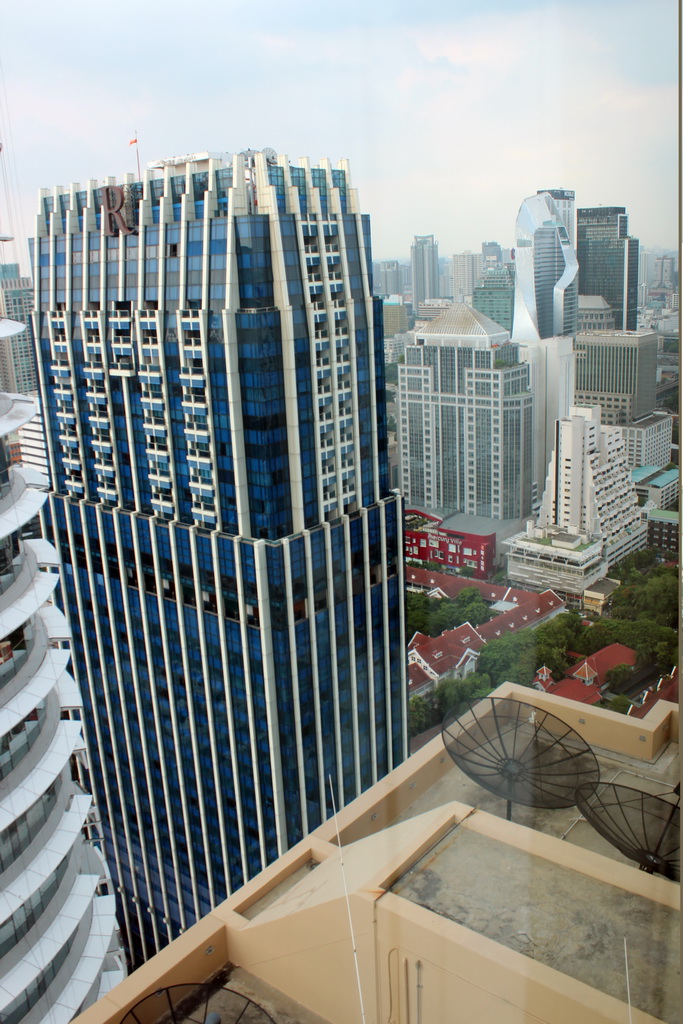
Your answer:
<point x="667" y="689"/>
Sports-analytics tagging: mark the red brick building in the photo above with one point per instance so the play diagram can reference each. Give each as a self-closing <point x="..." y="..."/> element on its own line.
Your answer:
<point x="426" y="540"/>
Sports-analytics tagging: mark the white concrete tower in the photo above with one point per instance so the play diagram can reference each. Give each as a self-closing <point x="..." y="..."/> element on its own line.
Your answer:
<point x="59" y="947"/>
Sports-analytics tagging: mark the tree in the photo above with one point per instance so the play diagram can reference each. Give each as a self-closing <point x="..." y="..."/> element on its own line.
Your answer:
<point x="391" y="375"/>
<point x="471" y="607"/>
<point x="620" y="704"/>
<point x="617" y="676"/>
<point x="420" y="715"/>
<point x="511" y="657"/>
<point x="455" y="693"/>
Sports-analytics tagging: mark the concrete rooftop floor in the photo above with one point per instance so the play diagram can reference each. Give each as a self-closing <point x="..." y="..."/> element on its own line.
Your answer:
<point x="567" y="920"/>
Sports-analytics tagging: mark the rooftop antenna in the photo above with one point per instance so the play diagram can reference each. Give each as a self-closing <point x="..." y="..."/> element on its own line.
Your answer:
<point x="348" y="902"/>
<point x="628" y="984"/>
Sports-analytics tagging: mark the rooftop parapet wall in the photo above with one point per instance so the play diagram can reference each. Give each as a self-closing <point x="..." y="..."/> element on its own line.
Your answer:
<point x="297" y="939"/>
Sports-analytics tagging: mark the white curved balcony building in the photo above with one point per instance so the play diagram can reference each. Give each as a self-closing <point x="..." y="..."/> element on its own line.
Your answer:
<point x="59" y="945"/>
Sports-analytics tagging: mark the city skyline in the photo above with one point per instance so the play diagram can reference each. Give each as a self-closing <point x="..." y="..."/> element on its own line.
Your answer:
<point x="588" y="111"/>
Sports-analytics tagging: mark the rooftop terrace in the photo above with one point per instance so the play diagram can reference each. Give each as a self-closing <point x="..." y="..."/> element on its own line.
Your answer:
<point x="452" y="906"/>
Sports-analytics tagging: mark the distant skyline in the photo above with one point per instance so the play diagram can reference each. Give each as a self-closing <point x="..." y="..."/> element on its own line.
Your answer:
<point x="449" y="116"/>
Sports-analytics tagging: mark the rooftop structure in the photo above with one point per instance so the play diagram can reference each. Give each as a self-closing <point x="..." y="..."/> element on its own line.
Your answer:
<point x="451" y="905"/>
<point x="660" y="487"/>
<point x="585" y="681"/>
<point x="595" y="314"/>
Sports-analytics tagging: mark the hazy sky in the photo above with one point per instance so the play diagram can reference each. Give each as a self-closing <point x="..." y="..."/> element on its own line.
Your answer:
<point x="450" y="114"/>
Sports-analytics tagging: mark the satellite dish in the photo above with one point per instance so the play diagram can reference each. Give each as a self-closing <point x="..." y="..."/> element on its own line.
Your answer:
<point x="519" y="752"/>
<point x="270" y="155"/>
<point x="646" y="828"/>
<point x="196" y="1004"/>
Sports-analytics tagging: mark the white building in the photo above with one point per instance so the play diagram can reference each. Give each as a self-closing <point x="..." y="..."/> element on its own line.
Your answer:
<point x="589" y="518"/>
<point x="465" y="418"/>
<point x="566" y="206"/>
<point x="467" y="269"/>
<point x="424" y="265"/>
<point x="551" y="367"/>
<point x="59" y="948"/>
<point x="32" y="441"/>
<point x="648" y="441"/>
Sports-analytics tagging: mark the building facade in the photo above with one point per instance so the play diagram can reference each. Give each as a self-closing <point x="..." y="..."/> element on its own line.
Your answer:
<point x="428" y="540"/>
<point x="663" y="529"/>
<point x="389" y="282"/>
<point x="494" y="295"/>
<point x="424" y="265"/>
<point x="565" y="201"/>
<point x="212" y="376"/>
<point x="608" y="261"/>
<point x="589" y="518"/>
<point x="17" y="357"/>
<point x="617" y="370"/>
<point x="465" y="411"/>
<point x="648" y="442"/>
<point x="395" y="316"/>
<point x="31" y="438"/>
<point x="595" y="314"/>
<point x="467" y="269"/>
<point x="546" y="272"/>
<point x="59" y="946"/>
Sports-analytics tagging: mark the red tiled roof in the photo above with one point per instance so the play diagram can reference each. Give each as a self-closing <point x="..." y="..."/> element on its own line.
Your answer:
<point x="574" y="689"/>
<point x="602" y="661"/>
<point x="417" y="676"/>
<point x="668" y="690"/>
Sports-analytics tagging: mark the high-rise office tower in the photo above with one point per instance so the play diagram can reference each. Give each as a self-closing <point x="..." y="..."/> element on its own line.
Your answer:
<point x="212" y="374"/>
<point x="492" y="254"/>
<point x="389" y="278"/>
<point x="465" y="413"/>
<point x="17" y="357"/>
<point x="467" y="269"/>
<point x="495" y="294"/>
<point x="59" y="948"/>
<point x="424" y="263"/>
<point x="546" y="291"/>
<point x="565" y="201"/>
<point x="617" y="370"/>
<point x="608" y="261"/>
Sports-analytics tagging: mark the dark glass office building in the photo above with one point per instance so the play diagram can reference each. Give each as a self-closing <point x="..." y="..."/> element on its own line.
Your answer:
<point x="212" y="376"/>
<point x="608" y="261"/>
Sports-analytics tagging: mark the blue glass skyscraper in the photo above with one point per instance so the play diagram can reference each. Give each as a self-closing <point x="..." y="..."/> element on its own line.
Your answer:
<point x="212" y="375"/>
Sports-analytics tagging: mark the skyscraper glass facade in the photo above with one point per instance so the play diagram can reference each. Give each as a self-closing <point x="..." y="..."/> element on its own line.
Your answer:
<point x="608" y="261"/>
<point x="212" y="375"/>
